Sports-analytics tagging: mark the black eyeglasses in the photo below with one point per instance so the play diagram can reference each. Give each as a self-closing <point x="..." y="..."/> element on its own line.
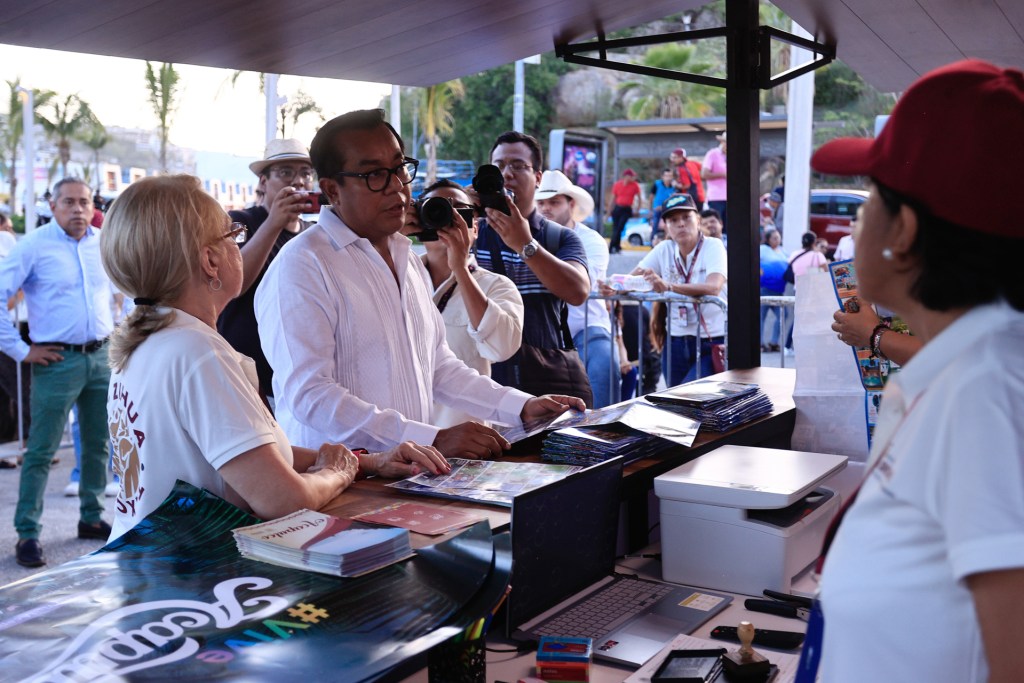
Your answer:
<point x="380" y="178"/>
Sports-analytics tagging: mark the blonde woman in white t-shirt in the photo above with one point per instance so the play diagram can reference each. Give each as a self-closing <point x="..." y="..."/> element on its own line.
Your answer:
<point x="183" y="404"/>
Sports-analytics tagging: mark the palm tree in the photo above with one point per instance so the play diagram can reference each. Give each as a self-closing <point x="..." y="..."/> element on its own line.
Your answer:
<point x="70" y="118"/>
<point x="96" y="138"/>
<point x="663" y="98"/>
<point x="299" y="105"/>
<point x="163" y="91"/>
<point x="12" y="134"/>
<point x="437" y="116"/>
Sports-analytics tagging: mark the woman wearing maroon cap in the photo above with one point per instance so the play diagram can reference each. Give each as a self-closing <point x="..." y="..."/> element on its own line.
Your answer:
<point x="925" y="578"/>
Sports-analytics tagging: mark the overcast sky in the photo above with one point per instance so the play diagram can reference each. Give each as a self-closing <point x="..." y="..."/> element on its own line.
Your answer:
<point x="212" y="115"/>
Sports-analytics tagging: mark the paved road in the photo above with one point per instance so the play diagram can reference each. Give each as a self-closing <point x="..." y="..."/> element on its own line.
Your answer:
<point x="60" y="518"/>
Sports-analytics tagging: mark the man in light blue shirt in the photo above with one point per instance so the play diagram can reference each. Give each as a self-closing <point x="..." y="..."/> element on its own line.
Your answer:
<point x="68" y="296"/>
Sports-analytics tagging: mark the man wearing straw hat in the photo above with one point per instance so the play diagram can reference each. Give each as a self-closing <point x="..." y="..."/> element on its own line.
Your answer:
<point x="560" y="201"/>
<point x="286" y="184"/>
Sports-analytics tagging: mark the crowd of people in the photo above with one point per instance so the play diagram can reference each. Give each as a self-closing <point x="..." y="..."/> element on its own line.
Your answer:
<point x="376" y="359"/>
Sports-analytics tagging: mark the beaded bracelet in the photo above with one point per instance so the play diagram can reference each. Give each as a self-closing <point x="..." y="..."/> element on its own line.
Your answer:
<point x="876" y="340"/>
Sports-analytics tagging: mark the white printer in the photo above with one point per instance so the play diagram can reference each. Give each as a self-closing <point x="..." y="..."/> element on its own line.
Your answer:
<point x="743" y="519"/>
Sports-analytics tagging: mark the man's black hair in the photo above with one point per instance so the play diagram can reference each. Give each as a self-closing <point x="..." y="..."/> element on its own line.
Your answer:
<point x="808" y="239"/>
<point x="707" y="213"/>
<point x="959" y="267"/>
<point x="514" y="136"/>
<point x="326" y="158"/>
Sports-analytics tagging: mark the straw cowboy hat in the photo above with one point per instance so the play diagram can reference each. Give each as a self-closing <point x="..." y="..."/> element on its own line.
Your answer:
<point x="555" y="182"/>
<point x="288" y="149"/>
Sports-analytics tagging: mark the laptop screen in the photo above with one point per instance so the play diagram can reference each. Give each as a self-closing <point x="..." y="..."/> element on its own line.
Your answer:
<point x="563" y="539"/>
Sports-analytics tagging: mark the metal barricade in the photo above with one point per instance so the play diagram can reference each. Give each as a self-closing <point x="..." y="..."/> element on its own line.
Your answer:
<point x="784" y="304"/>
<point x="641" y="298"/>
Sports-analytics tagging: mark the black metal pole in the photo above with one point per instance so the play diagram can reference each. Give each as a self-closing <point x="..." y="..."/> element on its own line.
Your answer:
<point x="742" y="114"/>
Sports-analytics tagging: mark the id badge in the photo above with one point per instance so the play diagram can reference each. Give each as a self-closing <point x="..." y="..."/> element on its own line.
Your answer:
<point x="682" y="315"/>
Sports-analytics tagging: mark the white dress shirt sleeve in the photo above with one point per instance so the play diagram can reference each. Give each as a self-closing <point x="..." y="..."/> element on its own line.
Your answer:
<point x="501" y="329"/>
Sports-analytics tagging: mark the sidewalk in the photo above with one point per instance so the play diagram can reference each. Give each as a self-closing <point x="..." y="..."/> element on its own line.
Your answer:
<point x="60" y="518"/>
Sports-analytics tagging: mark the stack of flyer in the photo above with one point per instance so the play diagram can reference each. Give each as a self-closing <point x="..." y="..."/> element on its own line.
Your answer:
<point x="323" y="543"/>
<point x="718" y="405"/>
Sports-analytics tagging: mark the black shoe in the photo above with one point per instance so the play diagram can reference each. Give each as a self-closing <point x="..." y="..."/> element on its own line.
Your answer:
<point x="100" y="530"/>
<point x="29" y="553"/>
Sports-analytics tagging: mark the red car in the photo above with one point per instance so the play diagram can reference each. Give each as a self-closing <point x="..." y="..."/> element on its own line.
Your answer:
<point x="831" y="213"/>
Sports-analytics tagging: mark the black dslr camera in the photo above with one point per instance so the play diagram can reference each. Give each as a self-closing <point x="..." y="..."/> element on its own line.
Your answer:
<point x="435" y="213"/>
<point x="489" y="185"/>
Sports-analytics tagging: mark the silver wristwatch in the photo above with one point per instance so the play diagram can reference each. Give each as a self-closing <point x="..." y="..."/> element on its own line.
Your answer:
<point x="529" y="250"/>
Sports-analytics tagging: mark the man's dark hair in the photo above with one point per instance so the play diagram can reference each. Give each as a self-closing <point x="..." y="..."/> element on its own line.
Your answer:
<point x="70" y="180"/>
<point x="514" y="136"/>
<point x="666" y="170"/>
<point x="959" y="267"/>
<point x="807" y="240"/>
<point x="438" y="184"/>
<point x="708" y="213"/>
<point x="326" y="158"/>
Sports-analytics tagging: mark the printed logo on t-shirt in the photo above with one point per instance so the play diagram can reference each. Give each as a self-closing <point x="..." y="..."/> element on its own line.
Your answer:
<point x="126" y="441"/>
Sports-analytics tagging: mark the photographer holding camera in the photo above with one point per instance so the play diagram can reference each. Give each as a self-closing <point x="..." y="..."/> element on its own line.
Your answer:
<point x="286" y="184"/>
<point x="482" y="311"/>
<point x="547" y="262"/>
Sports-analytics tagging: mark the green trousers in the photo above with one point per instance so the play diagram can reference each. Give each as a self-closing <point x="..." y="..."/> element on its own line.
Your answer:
<point x="83" y="379"/>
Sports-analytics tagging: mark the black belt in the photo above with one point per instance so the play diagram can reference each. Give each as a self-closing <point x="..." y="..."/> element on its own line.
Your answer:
<point x="88" y="347"/>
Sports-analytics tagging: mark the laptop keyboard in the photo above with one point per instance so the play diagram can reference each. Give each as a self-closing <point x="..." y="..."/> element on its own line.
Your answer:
<point x="601" y="612"/>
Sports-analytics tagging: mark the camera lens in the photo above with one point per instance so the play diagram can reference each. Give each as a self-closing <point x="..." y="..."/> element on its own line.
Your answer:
<point x="435" y="213"/>
<point x="488" y="180"/>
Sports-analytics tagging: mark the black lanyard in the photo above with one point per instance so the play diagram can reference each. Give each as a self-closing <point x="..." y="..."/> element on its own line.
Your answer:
<point x="443" y="301"/>
<point x="686" y="274"/>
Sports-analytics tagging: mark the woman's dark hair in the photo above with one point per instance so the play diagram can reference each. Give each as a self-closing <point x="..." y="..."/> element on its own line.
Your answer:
<point x="768" y="235"/>
<point x="808" y="239"/>
<point x="959" y="267"/>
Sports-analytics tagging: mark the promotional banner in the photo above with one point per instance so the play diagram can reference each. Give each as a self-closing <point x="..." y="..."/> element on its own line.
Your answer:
<point x="172" y="598"/>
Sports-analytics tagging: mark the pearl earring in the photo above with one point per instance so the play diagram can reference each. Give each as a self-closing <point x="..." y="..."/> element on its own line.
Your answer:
<point x="887" y="254"/>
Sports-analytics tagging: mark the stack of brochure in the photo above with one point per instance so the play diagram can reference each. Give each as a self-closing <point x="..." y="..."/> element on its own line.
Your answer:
<point x="592" y="445"/>
<point x="719" y="406"/>
<point x="323" y="543"/>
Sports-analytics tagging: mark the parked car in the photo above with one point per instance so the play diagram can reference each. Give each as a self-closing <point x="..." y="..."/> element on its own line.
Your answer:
<point x="637" y="232"/>
<point x="831" y="213"/>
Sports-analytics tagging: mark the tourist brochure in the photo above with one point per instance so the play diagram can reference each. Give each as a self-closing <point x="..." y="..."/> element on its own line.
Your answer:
<point x="874" y="372"/>
<point x="323" y="543"/>
<point x="636" y="414"/>
<point x="588" y="446"/>
<point x="706" y="394"/>
<point x="485" y="481"/>
<point x="722" y="417"/>
<point x="432" y="520"/>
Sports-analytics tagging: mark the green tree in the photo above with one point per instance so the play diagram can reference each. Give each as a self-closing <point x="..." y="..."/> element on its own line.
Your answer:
<point x="298" y="106"/>
<point x="485" y="111"/>
<point x="67" y="119"/>
<point x="651" y="97"/>
<point x="96" y="138"/>
<point x="11" y="134"/>
<point x="437" y="117"/>
<point x="163" y="93"/>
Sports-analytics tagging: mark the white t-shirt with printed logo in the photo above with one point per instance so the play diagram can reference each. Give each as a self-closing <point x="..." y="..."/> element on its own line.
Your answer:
<point x="711" y="259"/>
<point x="185" y="405"/>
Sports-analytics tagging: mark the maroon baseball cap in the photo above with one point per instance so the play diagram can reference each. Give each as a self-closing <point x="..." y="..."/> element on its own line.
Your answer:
<point x="954" y="142"/>
<point x="680" y="151"/>
<point x="629" y="171"/>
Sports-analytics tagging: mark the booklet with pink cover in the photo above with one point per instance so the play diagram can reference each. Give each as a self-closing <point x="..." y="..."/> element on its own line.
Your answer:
<point x="432" y="520"/>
